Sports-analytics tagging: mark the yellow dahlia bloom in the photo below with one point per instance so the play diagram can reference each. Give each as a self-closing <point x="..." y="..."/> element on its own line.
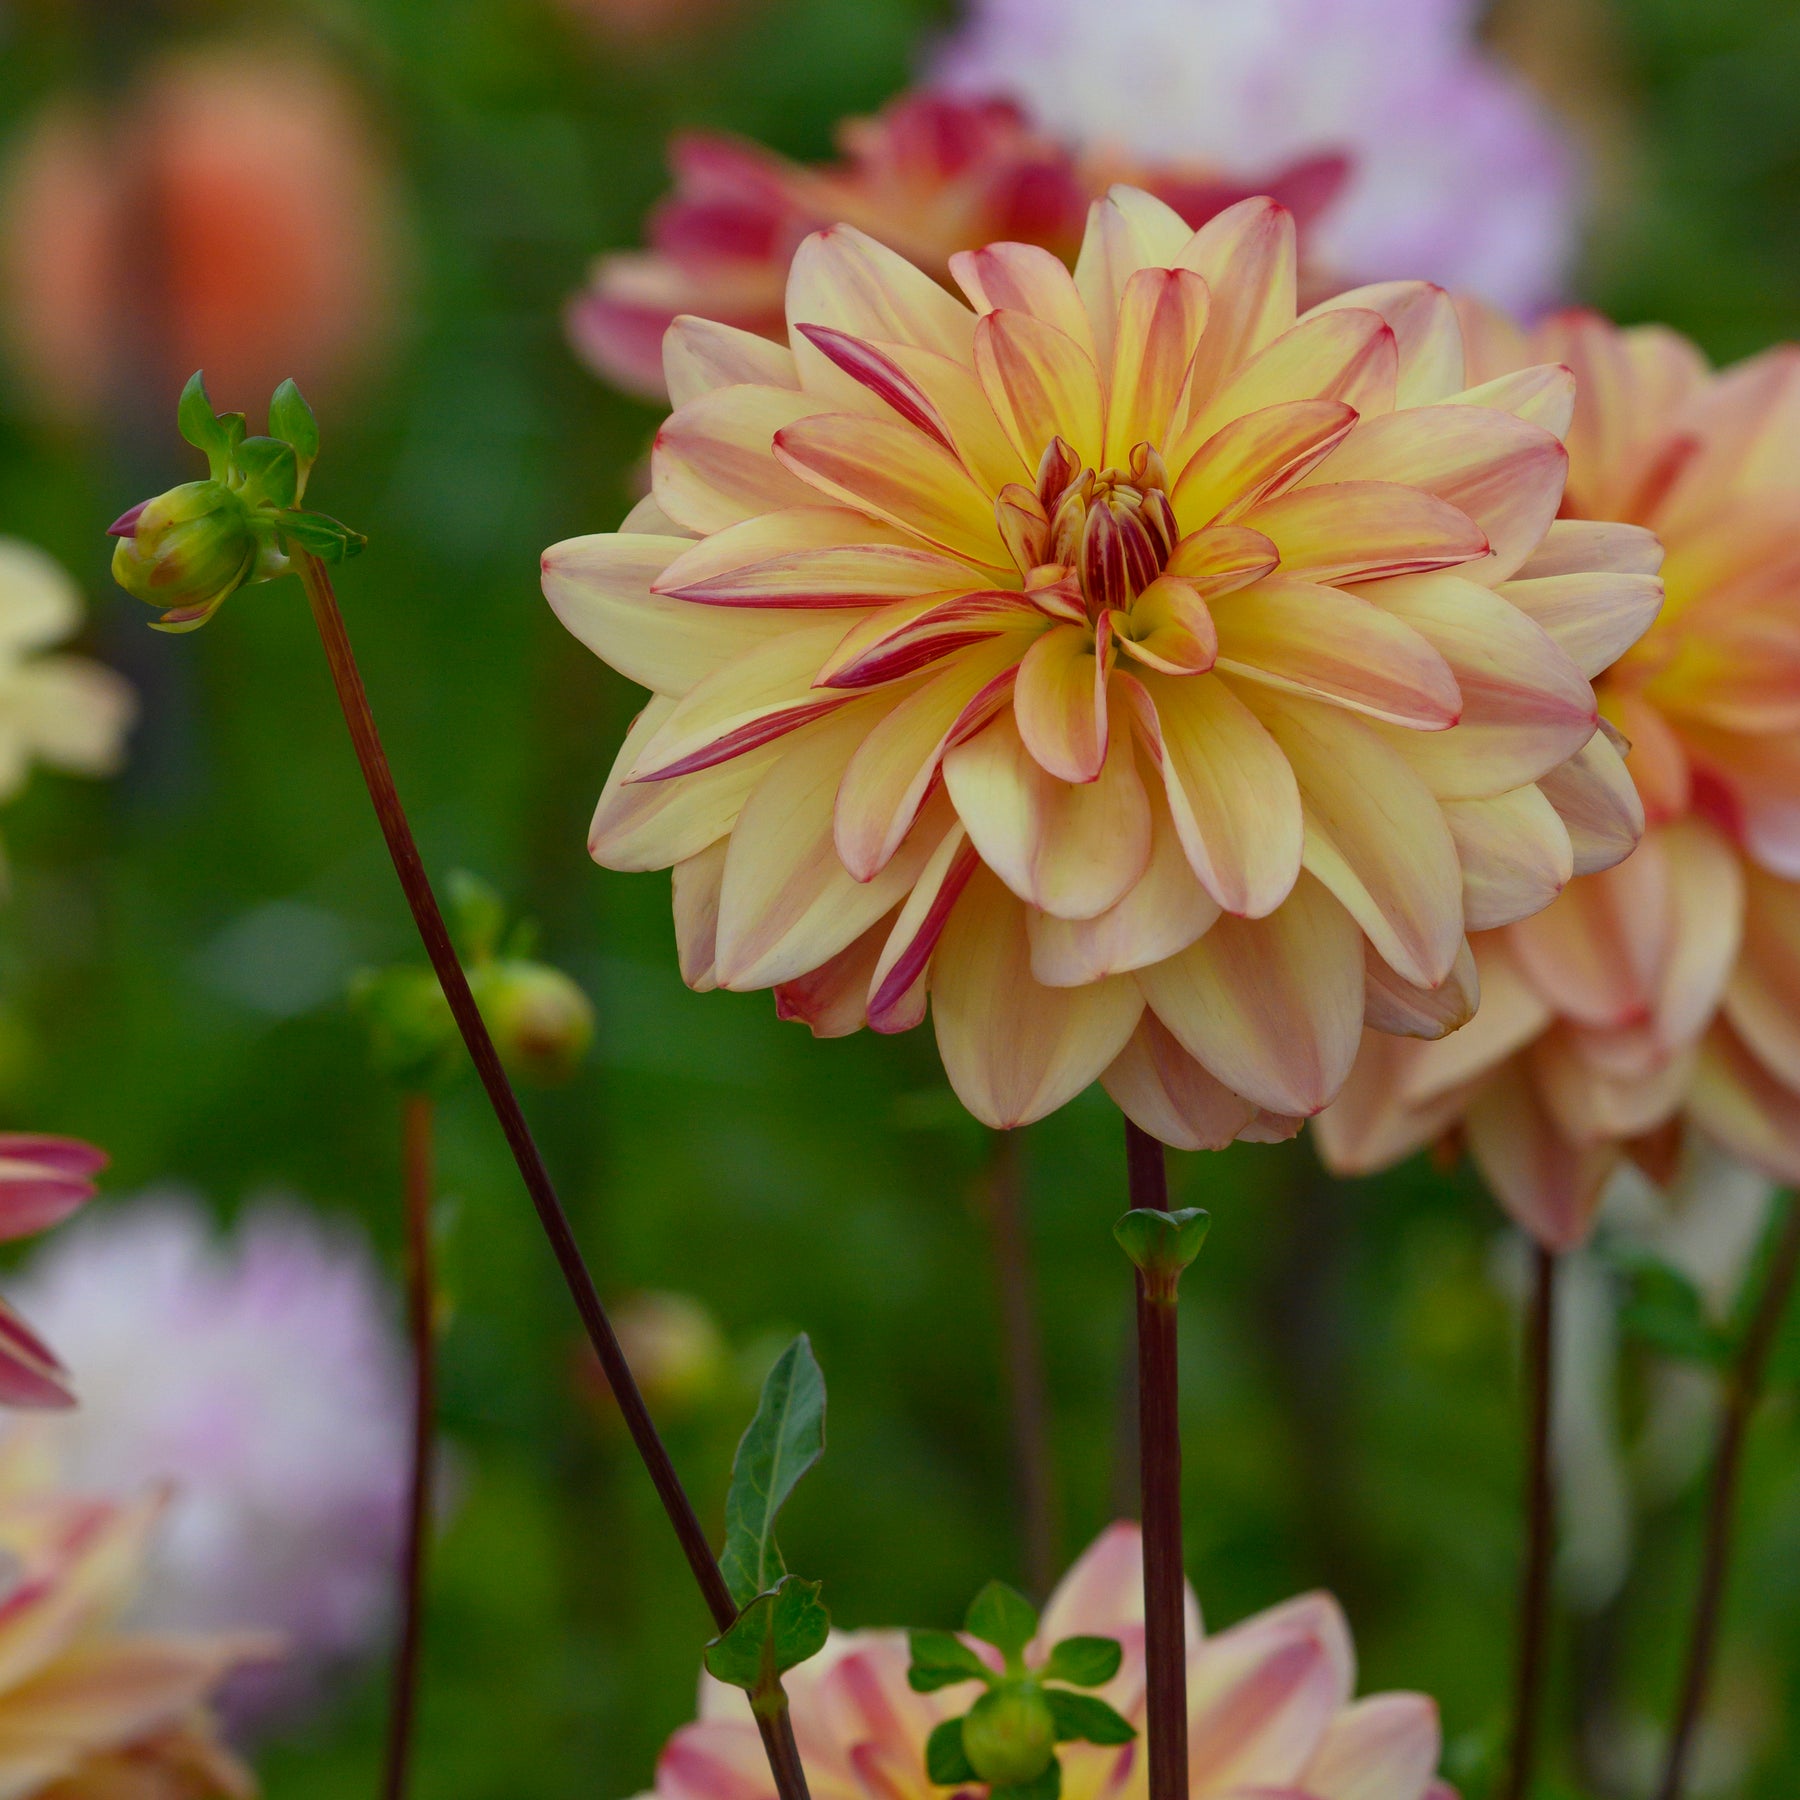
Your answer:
<point x="1153" y="681"/>
<point x="1666" y="990"/>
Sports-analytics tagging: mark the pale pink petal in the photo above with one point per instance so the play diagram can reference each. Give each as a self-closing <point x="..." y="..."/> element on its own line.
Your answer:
<point x="695" y="889"/>
<point x="1543" y="394"/>
<point x="714" y="463"/>
<point x="1426" y="334"/>
<point x="1246" y="255"/>
<point x="1742" y="1104"/>
<point x="896" y="986"/>
<point x="1598" y="803"/>
<point x="1595" y="617"/>
<point x="1126" y="231"/>
<point x="1404" y="1009"/>
<point x="1059" y="703"/>
<point x="1382" y="1748"/>
<point x="832" y="1000"/>
<point x="1515" y="855"/>
<point x="1024" y="278"/>
<point x="1364" y="530"/>
<point x="1165" y="1092"/>
<point x="700" y="355"/>
<point x="1763" y="999"/>
<point x="1580" y="546"/>
<point x="1549" y="1186"/>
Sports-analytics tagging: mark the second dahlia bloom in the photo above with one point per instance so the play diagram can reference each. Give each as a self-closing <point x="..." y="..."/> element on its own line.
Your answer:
<point x="42" y="1181"/>
<point x="1156" y="682"/>
<point x="1270" y="1710"/>
<point x="1666" y="991"/>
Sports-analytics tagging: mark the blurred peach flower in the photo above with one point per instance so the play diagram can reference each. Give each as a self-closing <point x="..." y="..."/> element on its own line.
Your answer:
<point x="1666" y="990"/>
<point x="1140" y="672"/>
<point x="230" y="211"/>
<point x="929" y="175"/>
<point x="42" y="1181"/>
<point x="88" y="1712"/>
<point x="1270" y="1709"/>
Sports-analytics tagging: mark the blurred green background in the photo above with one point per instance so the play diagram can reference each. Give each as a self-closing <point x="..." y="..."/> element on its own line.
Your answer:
<point x="175" y="945"/>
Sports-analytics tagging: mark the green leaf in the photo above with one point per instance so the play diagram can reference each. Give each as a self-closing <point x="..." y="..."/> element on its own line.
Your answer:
<point x="1162" y="1243"/>
<point x="946" y="1762"/>
<point x="1664" y="1310"/>
<point x="201" y="426"/>
<point x="1083" y="1661"/>
<point x="941" y="1659"/>
<point x="1086" y="1718"/>
<point x="784" y="1440"/>
<point x="323" y="536"/>
<point x="1047" y="1786"/>
<point x="477" y="918"/>
<point x="774" y="1633"/>
<point x="1002" y="1616"/>
<point x="292" y="420"/>
<point x="270" y="471"/>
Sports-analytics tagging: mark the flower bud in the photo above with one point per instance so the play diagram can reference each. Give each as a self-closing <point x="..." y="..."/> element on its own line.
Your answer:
<point x="1009" y="1735"/>
<point x="186" y="550"/>
<point x="541" y="1022"/>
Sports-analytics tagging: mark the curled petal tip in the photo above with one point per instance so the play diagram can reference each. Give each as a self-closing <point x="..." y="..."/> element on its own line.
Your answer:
<point x="126" y="523"/>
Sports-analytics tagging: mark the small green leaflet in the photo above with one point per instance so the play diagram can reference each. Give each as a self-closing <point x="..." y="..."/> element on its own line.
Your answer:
<point x="1001" y="1616"/>
<point x="1083" y="1661"/>
<point x="1086" y="1718"/>
<point x="771" y="1635"/>
<point x="941" y="1659"/>
<point x="784" y="1440"/>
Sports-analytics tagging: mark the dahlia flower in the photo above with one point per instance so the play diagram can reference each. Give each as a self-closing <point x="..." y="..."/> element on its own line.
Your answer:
<point x="929" y="175"/>
<point x="1269" y="1709"/>
<point x="42" y="1181"/>
<point x="88" y="1712"/>
<point x="1157" y="724"/>
<point x="263" y="1379"/>
<point x="1455" y="170"/>
<point x="1665" y="991"/>
<point x="67" y="712"/>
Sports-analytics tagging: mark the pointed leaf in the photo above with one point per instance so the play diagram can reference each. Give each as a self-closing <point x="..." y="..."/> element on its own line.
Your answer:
<point x="1162" y="1243"/>
<point x="201" y="426"/>
<point x="270" y="471"/>
<point x="784" y="1440"/>
<point x="292" y="420"/>
<point x="773" y="1634"/>
<point x="1002" y="1616"/>
<point x="324" y="537"/>
<point x="946" y="1762"/>
<point x="1083" y="1661"/>
<point x="1086" y="1718"/>
<point x="941" y="1659"/>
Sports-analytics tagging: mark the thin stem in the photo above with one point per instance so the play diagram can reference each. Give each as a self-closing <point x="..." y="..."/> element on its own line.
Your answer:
<point x="1540" y="1534"/>
<point x="1022" y="1347"/>
<point x="1159" y="1479"/>
<point x="430" y="922"/>
<point x="421" y="1291"/>
<point x="1743" y="1390"/>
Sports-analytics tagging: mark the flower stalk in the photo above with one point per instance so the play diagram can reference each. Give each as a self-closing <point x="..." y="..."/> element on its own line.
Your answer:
<point x="1744" y="1389"/>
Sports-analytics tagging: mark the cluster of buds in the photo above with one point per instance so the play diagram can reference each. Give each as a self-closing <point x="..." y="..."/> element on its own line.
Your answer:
<point x="541" y="1022"/>
<point x="1008" y="1738"/>
<point x="188" y="550"/>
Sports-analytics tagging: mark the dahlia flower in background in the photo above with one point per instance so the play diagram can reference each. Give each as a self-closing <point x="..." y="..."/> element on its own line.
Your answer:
<point x="1664" y="993"/>
<point x="262" y="1378"/>
<point x="1270" y="1709"/>
<point x="42" y="1181"/>
<point x="1156" y="682"/>
<point x="1455" y="171"/>
<point x="230" y="211"/>
<point x="87" y="1711"/>
<point x="929" y="175"/>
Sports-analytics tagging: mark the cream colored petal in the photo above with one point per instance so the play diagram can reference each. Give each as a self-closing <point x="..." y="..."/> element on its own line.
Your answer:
<point x="713" y="462"/>
<point x="1364" y="530"/>
<point x="1059" y="703"/>
<point x="1595" y="617"/>
<point x="1165" y="1092"/>
<point x="73" y="712"/>
<point x="832" y="1000"/>
<point x="1370" y="1125"/>
<point x="1544" y="395"/>
<point x="1426" y="334"/>
<point x="1383" y="1748"/>
<point x="1402" y="1009"/>
<point x="898" y="981"/>
<point x="1126" y="231"/>
<point x="1598" y="803"/>
<point x="1511" y="1016"/>
<point x="39" y="601"/>
<point x="695" y="892"/>
<point x="1024" y="278"/>
<point x="700" y="355"/>
<point x="1162" y="314"/>
<point x="1584" y="546"/>
<point x="1246" y="255"/>
<point x="1550" y="1186"/>
<point x="1041" y="384"/>
<point x="1515" y="856"/>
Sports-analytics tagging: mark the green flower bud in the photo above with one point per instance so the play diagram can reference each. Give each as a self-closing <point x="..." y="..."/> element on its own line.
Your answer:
<point x="542" y="1023"/>
<point x="188" y="549"/>
<point x="1009" y="1734"/>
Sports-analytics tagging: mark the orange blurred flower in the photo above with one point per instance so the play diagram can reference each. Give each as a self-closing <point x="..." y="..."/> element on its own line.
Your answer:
<point x="1666" y="990"/>
<point x="231" y="211"/>
<point x="1142" y="672"/>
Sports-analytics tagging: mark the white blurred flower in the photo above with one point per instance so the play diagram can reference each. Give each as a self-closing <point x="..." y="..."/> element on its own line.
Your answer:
<point x="262" y="1375"/>
<point x="1458" y="175"/>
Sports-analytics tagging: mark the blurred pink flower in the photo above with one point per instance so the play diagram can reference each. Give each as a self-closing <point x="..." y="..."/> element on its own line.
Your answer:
<point x="42" y="1181"/>
<point x="261" y="1376"/>
<point x="1270" y="1713"/>
<point x="231" y="211"/>
<point x="1457" y="174"/>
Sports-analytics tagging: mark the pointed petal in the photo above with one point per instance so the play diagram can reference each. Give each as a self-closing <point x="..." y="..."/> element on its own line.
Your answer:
<point x="1162" y="314"/>
<point x="695" y="892"/>
<point x="1024" y="278"/>
<point x="1246" y="256"/>
<point x="1040" y="383"/>
<point x="1059" y="703"/>
<point x="1169" y="628"/>
<point x="1404" y="1010"/>
<point x="30" y="1375"/>
<point x="1545" y="395"/>
<point x="1594" y="617"/>
<point x="1126" y="231"/>
<point x="1383" y="1748"/>
<point x="1515" y="856"/>
<point x="1257" y="456"/>
<point x="713" y="462"/>
<point x="1220" y="559"/>
<point x="1740" y="1104"/>
<point x="1165" y="1092"/>
<point x="911" y="635"/>
<point x="700" y="355"/>
<point x="1549" y="1186"/>
<point x="1427" y="335"/>
<point x="1370" y="1126"/>
<point x="1583" y="546"/>
<point x="832" y="1000"/>
<point x="1362" y="530"/>
<point x="897" y="979"/>
<point x="1598" y="803"/>
<point x="1763" y="998"/>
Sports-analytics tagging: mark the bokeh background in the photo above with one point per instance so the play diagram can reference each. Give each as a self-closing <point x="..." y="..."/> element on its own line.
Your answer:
<point x="175" y="944"/>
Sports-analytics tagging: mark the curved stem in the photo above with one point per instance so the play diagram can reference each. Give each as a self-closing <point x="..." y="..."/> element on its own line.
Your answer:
<point x="1159" y="1476"/>
<point x="421" y="1291"/>
<point x="1540" y="1528"/>
<point x="1743" y="1390"/>
<point x="410" y="868"/>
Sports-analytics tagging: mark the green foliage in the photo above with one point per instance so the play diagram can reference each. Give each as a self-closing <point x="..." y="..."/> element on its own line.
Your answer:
<point x="324" y="536"/>
<point x="941" y="1659"/>
<point x="1002" y="1616"/>
<point x="784" y="1439"/>
<point x="1083" y="1661"/>
<point x="1664" y="1310"/>
<point x="1086" y="1718"/>
<point x="777" y="1631"/>
<point x="1162" y="1244"/>
<point x="946" y="1762"/>
<point x="291" y="419"/>
<point x="200" y="425"/>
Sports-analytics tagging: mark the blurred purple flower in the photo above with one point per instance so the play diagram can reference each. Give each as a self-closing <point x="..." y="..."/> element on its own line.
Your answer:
<point x="262" y="1376"/>
<point x="1458" y="174"/>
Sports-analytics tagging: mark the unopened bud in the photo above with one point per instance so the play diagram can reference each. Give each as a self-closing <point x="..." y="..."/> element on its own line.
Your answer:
<point x="542" y="1023"/>
<point x="186" y="550"/>
<point x="1009" y="1734"/>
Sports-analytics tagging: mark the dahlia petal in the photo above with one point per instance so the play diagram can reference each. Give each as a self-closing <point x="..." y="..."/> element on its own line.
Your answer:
<point x="654" y="824"/>
<point x="1246" y="255"/>
<point x="1510" y="1016"/>
<point x="1595" y="617"/>
<point x="647" y="519"/>
<point x="1071" y="850"/>
<point x="700" y="355"/>
<point x="695" y="894"/>
<point x="1515" y="855"/>
<point x="1041" y="385"/>
<point x="1374" y="836"/>
<point x="1162" y="914"/>
<point x="1362" y="530"/>
<point x="600" y="588"/>
<point x="1526" y="707"/>
<point x="892" y="472"/>
<point x="910" y="635"/>
<point x="1500" y="471"/>
<point x="1257" y="456"/>
<point x="718" y="1758"/>
<point x="832" y="1000"/>
<point x="1493" y="342"/>
<point x="1427" y="335"/>
<point x="1598" y="803"/>
<point x="1272" y="1007"/>
<point x="1220" y="559"/>
<point x="1127" y="230"/>
<point x="1549" y="1186"/>
<point x="1230" y="789"/>
<point x="1707" y="898"/>
<point x="1165" y="1092"/>
<point x="1024" y="278"/>
<point x="1403" y="1009"/>
<point x="1162" y="314"/>
<point x="787" y="903"/>
<point x="896" y="979"/>
<point x="1587" y="546"/>
<point x="1383" y="1748"/>
<point x="1762" y="1001"/>
<point x="891" y="772"/>
<point x="1332" y="644"/>
<point x="713" y="462"/>
<point x="30" y="1375"/>
<point x="806" y="556"/>
<point x="1543" y="395"/>
<point x="1743" y="1106"/>
<point x="35" y="1194"/>
<point x="1370" y="1126"/>
<point x="1059" y="702"/>
<point x="1013" y="1049"/>
<point x="1169" y="627"/>
<point x="1589" y="1102"/>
